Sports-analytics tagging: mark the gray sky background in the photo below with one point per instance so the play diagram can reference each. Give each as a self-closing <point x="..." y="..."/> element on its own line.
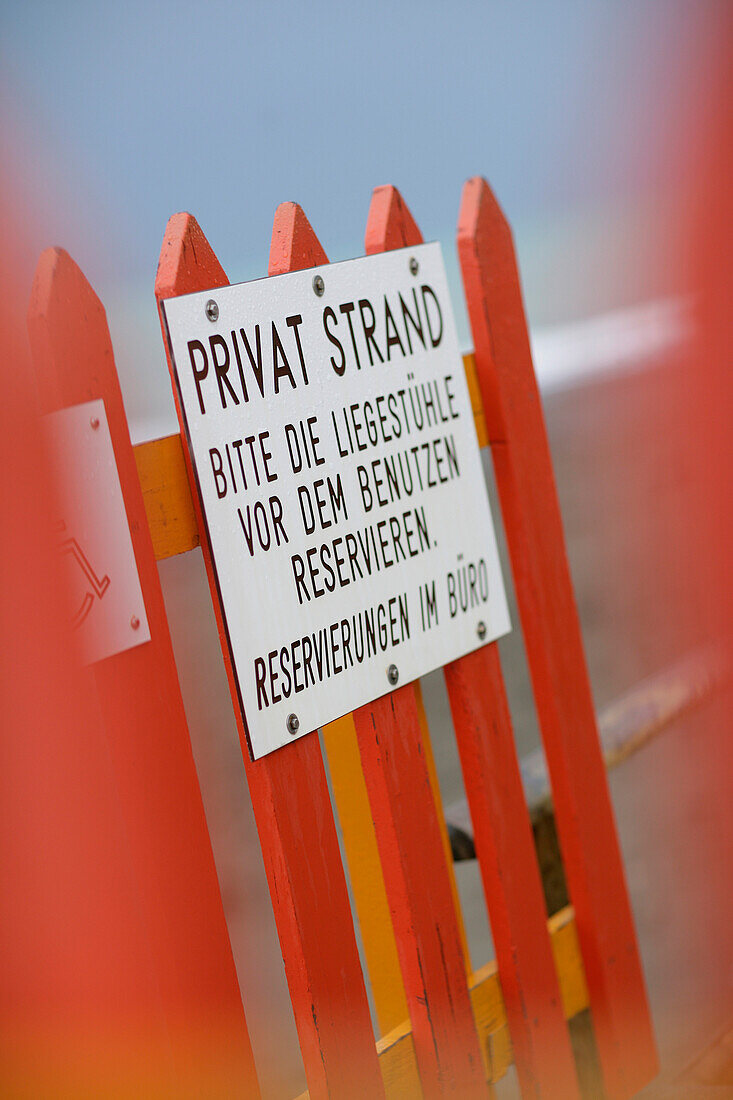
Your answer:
<point x="579" y="113"/>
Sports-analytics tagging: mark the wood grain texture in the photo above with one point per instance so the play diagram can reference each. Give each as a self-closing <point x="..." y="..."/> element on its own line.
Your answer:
<point x="390" y="225"/>
<point x="510" y="875"/>
<point x="420" y="885"/>
<point x="553" y="642"/>
<point x="365" y="872"/>
<point x="502" y="831"/>
<point x="141" y="714"/>
<point x="397" y="1049"/>
<point x="288" y="788"/>
<point x="421" y="904"/>
<point x="365" y="869"/>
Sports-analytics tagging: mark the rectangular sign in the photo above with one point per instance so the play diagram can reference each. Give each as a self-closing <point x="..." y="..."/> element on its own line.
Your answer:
<point x="99" y="577"/>
<point x="333" y="442"/>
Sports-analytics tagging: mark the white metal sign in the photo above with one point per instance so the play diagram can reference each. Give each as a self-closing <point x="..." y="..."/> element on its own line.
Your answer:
<point x="99" y="575"/>
<point x="334" y="447"/>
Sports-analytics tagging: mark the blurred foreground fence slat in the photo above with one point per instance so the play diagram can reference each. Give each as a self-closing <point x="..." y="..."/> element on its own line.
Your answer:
<point x="192" y="1016"/>
<point x="446" y="1030"/>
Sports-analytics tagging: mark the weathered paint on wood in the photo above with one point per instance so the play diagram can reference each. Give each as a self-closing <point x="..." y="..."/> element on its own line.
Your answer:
<point x="288" y="788"/>
<point x="365" y="872"/>
<point x="365" y="869"/>
<point x="398" y="771"/>
<point x="140" y="711"/>
<point x="390" y="225"/>
<point x="553" y="641"/>
<point x="397" y="1049"/>
<point x="418" y="887"/>
<point x="502" y="829"/>
<point x="510" y="874"/>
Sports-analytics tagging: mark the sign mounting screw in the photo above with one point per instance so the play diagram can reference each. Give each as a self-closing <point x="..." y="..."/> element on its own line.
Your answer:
<point x="293" y="723"/>
<point x="481" y="630"/>
<point x="94" y="423"/>
<point x="414" y="266"/>
<point x="393" y="674"/>
<point x="212" y="310"/>
<point x="318" y="285"/>
<point x="134" y="622"/>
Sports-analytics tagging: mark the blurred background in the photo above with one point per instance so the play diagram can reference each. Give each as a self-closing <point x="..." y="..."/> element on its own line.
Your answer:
<point x="604" y="130"/>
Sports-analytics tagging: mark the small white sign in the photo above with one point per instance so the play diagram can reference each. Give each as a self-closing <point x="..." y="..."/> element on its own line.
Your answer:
<point x="105" y="607"/>
<point x="334" y="448"/>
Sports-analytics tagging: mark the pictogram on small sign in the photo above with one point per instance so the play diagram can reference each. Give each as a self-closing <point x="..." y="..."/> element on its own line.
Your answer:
<point x="105" y="608"/>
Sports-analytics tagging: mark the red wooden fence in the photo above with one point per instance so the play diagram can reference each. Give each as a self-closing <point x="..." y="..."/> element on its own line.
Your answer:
<point x="503" y="835"/>
<point x="184" y="970"/>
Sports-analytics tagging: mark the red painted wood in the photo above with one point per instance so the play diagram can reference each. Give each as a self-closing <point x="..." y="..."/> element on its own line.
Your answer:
<point x="288" y="787"/>
<point x="390" y="224"/>
<point x="554" y="644"/>
<point x="420" y="899"/>
<point x="502" y="831"/>
<point x="510" y="875"/>
<point x="79" y="1007"/>
<point x="408" y="834"/>
<point x="136" y="698"/>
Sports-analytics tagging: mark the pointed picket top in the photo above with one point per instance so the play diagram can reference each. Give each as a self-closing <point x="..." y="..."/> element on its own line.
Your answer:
<point x="187" y="261"/>
<point x="390" y="224"/>
<point x="57" y="280"/>
<point x="481" y="216"/>
<point x="60" y="295"/>
<point x="294" y="245"/>
<point x="494" y="301"/>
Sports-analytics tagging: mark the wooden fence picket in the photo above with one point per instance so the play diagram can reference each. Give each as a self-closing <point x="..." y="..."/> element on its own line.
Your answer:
<point x="288" y="788"/>
<point x="429" y="948"/>
<point x="553" y="643"/>
<point x="510" y="875"/>
<point x="365" y="873"/>
<point x="136" y="696"/>
<point x="502" y="832"/>
<point x="418" y="882"/>
<point x="446" y="1030"/>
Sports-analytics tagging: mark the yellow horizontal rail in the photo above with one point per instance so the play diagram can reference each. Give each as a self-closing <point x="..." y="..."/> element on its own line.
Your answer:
<point x="397" y="1051"/>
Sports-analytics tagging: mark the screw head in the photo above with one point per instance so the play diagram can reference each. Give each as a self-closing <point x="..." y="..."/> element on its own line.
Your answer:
<point x="292" y="723"/>
<point x="414" y="266"/>
<point x="393" y="674"/>
<point x="318" y="285"/>
<point x="135" y="622"/>
<point x="94" y="423"/>
<point x="212" y="310"/>
<point x="481" y="630"/>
